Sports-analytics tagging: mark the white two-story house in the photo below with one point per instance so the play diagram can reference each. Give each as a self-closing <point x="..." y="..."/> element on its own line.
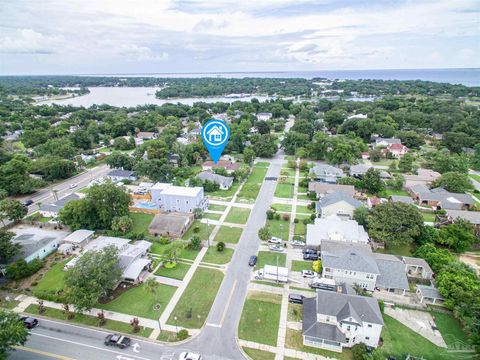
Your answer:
<point x="334" y="320"/>
<point x="172" y="198"/>
<point x="350" y="263"/>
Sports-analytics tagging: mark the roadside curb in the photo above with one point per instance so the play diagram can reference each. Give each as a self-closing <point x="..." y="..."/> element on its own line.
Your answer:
<point x="241" y="349"/>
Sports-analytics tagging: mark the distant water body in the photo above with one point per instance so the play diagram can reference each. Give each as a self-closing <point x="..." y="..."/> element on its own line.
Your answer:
<point x="468" y="77"/>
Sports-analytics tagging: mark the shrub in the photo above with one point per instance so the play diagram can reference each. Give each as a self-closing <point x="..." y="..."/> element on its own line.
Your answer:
<point x="195" y="243"/>
<point x="270" y="214"/>
<point x="381" y="305"/>
<point x="306" y="221"/>
<point x="220" y="246"/>
<point x="21" y="269"/>
<point x="196" y="230"/>
<point x="313" y="217"/>
<point x="296" y="220"/>
<point x="182" y="334"/>
<point x="286" y="217"/>
<point x="277" y="216"/>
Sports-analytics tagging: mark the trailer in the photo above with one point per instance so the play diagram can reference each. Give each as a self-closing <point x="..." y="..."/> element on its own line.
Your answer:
<point x="274" y="273"/>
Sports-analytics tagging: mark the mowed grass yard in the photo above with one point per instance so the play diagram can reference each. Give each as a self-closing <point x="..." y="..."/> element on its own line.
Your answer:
<point x="252" y="186"/>
<point x="193" y="307"/>
<point x="279" y="228"/>
<point x="255" y="354"/>
<point x="178" y="272"/>
<point x="238" y="215"/>
<point x="138" y="301"/>
<point x="285" y="188"/>
<point x="203" y="233"/>
<point x="282" y="207"/>
<point x="270" y="258"/>
<point x="224" y="194"/>
<point x="214" y="256"/>
<point x="260" y="318"/>
<point x="53" y="280"/>
<point x="228" y="234"/>
<point x="299" y="265"/>
<point x="141" y="221"/>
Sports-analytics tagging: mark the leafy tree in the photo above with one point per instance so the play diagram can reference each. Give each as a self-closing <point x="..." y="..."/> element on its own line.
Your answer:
<point x="248" y="155"/>
<point x="195" y="243"/>
<point x="396" y="182"/>
<point x="454" y="182"/>
<point x="263" y="127"/>
<point x="372" y="181"/>
<point x="14" y="176"/>
<point x="21" y="269"/>
<point x="395" y="223"/>
<point x="475" y="159"/>
<point x="410" y="139"/>
<point x="459" y="236"/>
<point x="12" y="210"/>
<point x="264" y="233"/>
<point x="54" y="167"/>
<point x="12" y="332"/>
<point x="121" y="143"/>
<point x="92" y="277"/>
<point x="122" y="224"/>
<point x="444" y="162"/>
<point x="294" y="140"/>
<point x="437" y="258"/>
<point x="118" y="160"/>
<point x="333" y="118"/>
<point x="264" y="145"/>
<point x="197" y="213"/>
<point x="8" y="249"/>
<point x="429" y="235"/>
<point x="60" y="147"/>
<point x="220" y="246"/>
<point x="360" y="215"/>
<point x="317" y="266"/>
<point x="405" y="164"/>
<point x="170" y="251"/>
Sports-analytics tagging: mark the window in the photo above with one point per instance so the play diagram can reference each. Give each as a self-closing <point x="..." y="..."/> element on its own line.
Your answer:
<point x="348" y="328"/>
<point x="367" y="338"/>
<point x="369" y="325"/>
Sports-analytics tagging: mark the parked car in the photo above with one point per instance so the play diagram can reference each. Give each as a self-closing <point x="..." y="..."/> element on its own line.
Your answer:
<point x="253" y="260"/>
<point x="117" y="340"/>
<point x="275" y="248"/>
<point x="29" y="322"/>
<point x="189" y="356"/>
<point x="310" y="256"/>
<point x="297" y="243"/>
<point x="309" y="251"/>
<point x="275" y="240"/>
<point x="74" y="185"/>
<point x="28" y="202"/>
<point x="295" y="298"/>
<point x="308" y="274"/>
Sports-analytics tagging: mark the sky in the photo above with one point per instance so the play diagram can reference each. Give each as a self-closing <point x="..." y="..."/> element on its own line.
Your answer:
<point x="189" y="36"/>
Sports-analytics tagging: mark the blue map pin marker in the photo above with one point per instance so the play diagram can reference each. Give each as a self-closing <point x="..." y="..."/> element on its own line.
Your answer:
<point x="215" y="135"/>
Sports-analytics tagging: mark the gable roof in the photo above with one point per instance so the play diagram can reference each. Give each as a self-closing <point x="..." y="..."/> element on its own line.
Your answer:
<point x="217" y="179"/>
<point x="348" y="256"/>
<point x="325" y="188"/>
<point x="312" y="328"/>
<point x="60" y="203"/>
<point x="401" y="198"/>
<point x="414" y="261"/>
<point x="392" y="272"/>
<point x="121" y="173"/>
<point x="472" y="216"/>
<point x="336" y="197"/>
<point x="335" y="228"/>
<point x="429" y="292"/>
<point x="326" y="170"/>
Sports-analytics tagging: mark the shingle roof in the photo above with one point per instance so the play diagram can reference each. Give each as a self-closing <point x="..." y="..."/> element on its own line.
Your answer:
<point x="326" y="170"/>
<point x="217" y="179"/>
<point x="341" y="305"/>
<point x="348" y="256"/>
<point x="325" y="188"/>
<point x="121" y="173"/>
<point x="336" y="197"/>
<point x="403" y="199"/>
<point x="311" y="327"/>
<point x="408" y="260"/>
<point x="392" y="273"/>
<point x="472" y="216"/>
<point x="59" y="204"/>
<point x="430" y="292"/>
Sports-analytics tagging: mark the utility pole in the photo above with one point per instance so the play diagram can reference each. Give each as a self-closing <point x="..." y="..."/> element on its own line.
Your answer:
<point x="277" y="268"/>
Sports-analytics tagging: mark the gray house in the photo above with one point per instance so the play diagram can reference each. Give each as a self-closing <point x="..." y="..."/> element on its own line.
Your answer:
<point x="334" y="320"/>
<point x="120" y="175"/>
<point x="52" y="210"/>
<point x="326" y="173"/>
<point x="322" y="189"/>
<point x="392" y="274"/>
<point x="360" y="170"/>
<point x="339" y="204"/>
<point x="225" y="182"/>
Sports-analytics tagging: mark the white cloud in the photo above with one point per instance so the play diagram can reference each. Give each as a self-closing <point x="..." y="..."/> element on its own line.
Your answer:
<point x="141" y="53"/>
<point x="28" y="41"/>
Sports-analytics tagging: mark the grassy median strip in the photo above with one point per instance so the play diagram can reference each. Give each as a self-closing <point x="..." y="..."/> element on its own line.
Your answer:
<point x="193" y="307"/>
<point x="89" y="320"/>
<point x="260" y="318"/>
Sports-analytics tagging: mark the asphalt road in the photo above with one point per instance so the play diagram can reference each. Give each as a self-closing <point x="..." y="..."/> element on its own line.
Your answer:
<point x="46" y="195"/>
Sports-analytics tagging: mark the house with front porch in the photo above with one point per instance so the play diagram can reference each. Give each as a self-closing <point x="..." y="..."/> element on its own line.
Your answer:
<point x="334" y="320"/>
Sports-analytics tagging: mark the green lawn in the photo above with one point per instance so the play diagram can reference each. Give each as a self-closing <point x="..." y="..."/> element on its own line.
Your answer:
<point x="475" y="177"/>
<point x="167" y="336"/>
<point x="284" y="189"/>
<point x="279" y="228"/>
<point x="228" y="234"/>
<point x="212" y="216"/>
<point x="287" y="172"/>
<point x="193" y="307"/>
<point x="203" y="233"/>
<point x="141" y="221"/>
<point x="215" y="207"/>
<point x="282" y="207"/>
<point x="294" y="312"/>
<point x="304" y="209"/>
<point x="299" y="265"/>
<point x="138" y="301"/>
<point x="260" y="318"/>
<point x="224" y="194"/>
<point x="270" y="258"/>
<point x="428" y="217"/>
<point x="300" y="229"/>
<point x="251" y="187"/>
<point x="53" y="281"/>
<point x="401" y="250"/>
<point x="262" y="164"/>
<point x="218" y="257"/>
<point x="400" y="341"/>
<point x="238" y="215"/>
<point x="450" y="328"/>
<point x="178" y="272"/>
<point x="255" y="354"/>
<point x="188" y="254"/>
<point x="389" y="192"/>
<point x="8" y="304"/>
<point x="112" y="325"/>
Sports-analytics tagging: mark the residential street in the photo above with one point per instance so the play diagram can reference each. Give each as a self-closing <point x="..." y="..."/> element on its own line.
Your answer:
<point x="45" y="195"/>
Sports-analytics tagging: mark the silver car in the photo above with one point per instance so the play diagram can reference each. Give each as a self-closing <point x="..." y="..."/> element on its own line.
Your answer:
<point x="275" y="240"/>
<point x="275" y="248"/>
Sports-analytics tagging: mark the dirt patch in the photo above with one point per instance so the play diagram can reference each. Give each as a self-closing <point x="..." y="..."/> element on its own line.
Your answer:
<point x="472" y="260"/>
